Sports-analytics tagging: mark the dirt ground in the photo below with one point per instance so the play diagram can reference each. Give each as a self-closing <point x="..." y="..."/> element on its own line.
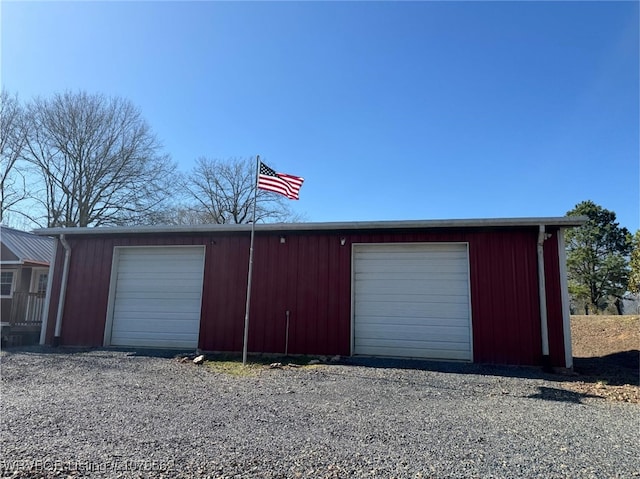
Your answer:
<point x="606" y="352"/>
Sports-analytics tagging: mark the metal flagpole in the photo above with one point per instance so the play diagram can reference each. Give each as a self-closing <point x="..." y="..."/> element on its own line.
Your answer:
<point x="253" y="229"/>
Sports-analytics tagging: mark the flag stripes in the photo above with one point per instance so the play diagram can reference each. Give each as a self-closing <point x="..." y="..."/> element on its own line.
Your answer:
<point x="282" y="183"/>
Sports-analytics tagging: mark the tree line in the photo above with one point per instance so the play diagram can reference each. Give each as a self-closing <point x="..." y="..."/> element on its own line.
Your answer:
<point x="603" y="261"/>
<point x="80" y="159"/>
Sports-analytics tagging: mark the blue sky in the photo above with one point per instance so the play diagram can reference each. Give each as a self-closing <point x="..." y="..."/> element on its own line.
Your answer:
<point x="390" y="110"/>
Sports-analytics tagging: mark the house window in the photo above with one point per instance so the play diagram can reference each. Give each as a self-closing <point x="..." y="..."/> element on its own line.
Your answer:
<point x="6" y="284"/>
<point x="41" y="286"/>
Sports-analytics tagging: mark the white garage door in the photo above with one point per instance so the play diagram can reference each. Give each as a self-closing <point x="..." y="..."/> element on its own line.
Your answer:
<point x="157" y="297"/>
<point x="412" y="300"/>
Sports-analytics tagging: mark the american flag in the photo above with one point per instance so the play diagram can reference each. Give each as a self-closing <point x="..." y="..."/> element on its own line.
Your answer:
<point x="287" y="185"/>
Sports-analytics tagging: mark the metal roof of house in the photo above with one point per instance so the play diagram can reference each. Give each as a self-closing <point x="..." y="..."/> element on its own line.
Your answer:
<point x="565" y="221"/>
<point x="27" y="247"/>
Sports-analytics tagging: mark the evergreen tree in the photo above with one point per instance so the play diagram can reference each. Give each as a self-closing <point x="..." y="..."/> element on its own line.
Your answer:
<point x="597" y="257"/>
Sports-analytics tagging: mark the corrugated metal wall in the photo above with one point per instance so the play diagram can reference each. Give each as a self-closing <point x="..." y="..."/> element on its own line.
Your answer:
<point x="310" y="276"/>
<point x="88" y="285"/>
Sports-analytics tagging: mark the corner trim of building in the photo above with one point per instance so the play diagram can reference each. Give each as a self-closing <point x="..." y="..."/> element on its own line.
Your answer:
<point x="564" y="294"/>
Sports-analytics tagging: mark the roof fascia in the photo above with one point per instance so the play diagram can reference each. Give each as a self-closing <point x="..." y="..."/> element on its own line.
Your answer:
<point x="566" y="222"/>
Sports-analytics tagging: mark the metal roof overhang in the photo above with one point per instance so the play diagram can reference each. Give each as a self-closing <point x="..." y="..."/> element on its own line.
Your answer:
<point x="561" y="222"/>
<point x="25" y="262"/>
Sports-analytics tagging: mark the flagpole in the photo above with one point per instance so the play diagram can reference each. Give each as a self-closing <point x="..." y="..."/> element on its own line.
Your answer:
<point x="253" y="230"/>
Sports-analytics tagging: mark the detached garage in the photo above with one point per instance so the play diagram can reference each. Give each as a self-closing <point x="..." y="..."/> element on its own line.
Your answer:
<point x="481" y="290"/>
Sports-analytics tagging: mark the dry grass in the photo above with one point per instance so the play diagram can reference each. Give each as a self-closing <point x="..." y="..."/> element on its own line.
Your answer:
<point x="596" y="336"/>
<point x="231" y="364"/>
<point x="606" y="351"/>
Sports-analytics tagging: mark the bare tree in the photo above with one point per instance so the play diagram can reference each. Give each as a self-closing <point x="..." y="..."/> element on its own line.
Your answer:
<point x="222" y="192"/>
<point x="13" y="188"/>
<point x="99" y="162"/>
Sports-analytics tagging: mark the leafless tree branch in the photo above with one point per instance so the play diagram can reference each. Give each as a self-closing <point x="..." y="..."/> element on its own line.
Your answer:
<point x="222" y="192"/>
<point x="13" y="185"/>
<point x="99" y="162"/>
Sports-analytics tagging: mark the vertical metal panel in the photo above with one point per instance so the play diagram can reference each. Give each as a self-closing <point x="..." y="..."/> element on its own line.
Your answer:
<point x="504" y="297"/>
<point x="225" y="283"/>
<point x="297" y="276"/>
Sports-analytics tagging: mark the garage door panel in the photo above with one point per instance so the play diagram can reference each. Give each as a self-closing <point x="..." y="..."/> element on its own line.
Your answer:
<point x="159" y="284"/>
<point x="414" y="344"/>
<point x="172" y="343"/>
<point x="152" y="315"/>
<point x="416" y="265"/>
<point x="168" y="275"/>
<point x="412" y="300"/>
<point x="419" y="353"/>
<point x="181" y="307"/>
<point x="159" y="262"/>
<point x="433" y="321"/>
<point x="392" y="286"/>
<point x="171" y="253"/>
<point x="152" y="294"/>
<point x="160" y="327"/>
<point x="149" y="271"/>
<point x="156" y="301"/>
<point x="411" y="248"/>
<point x="407" y="333"/>
<point x="158" y="296"/>
<point x="158" y="266"/>
<point x="412" y="275"/>
<point x="166" y="287"/>
<point x="364" y="297"/>
<point x="455" y="320"/>
<point x="413" y="310"/>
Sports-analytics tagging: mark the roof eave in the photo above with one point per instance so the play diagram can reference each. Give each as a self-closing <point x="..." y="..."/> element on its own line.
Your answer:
<point x="563" y="222"/>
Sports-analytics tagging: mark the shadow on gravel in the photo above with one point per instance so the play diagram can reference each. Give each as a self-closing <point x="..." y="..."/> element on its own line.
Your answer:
<point x="618" y="369"/>
<point x="529" y="372"/>
<point x="150" y="353"/>
<point x="615" y="369"/>
<point x="562" y="395"/>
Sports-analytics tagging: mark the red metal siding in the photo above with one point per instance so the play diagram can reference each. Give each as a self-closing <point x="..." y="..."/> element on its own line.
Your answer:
<point x="505" y="309"/>
<point x="310" y="276"/>
<point x="87" y="293"/>
<point x="305" y="276"/>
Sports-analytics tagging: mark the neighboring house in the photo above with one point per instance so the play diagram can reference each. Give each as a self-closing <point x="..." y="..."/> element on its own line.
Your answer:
<point x="24" y="269"/>
<point x="480" y="290"/>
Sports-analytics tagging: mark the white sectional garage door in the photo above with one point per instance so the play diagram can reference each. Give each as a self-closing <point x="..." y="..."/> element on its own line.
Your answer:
<point x="157" y="297"/>
<point x="412" y="300"/>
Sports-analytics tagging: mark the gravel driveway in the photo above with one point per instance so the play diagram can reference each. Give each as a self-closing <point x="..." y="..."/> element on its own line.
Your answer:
<point x="120" y="414"/>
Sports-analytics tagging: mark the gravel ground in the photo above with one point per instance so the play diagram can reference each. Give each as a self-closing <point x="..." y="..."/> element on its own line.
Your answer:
<point x="121" y="414"/>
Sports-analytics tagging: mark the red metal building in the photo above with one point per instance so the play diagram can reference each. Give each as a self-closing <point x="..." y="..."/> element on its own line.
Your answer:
<point x="481" y="290"/>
